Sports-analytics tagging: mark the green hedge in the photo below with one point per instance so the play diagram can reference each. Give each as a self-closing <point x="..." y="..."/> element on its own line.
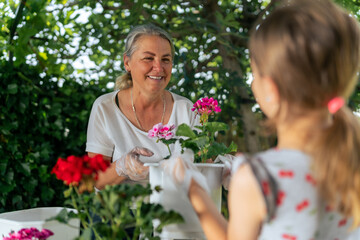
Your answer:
<point x="40" y="121"/>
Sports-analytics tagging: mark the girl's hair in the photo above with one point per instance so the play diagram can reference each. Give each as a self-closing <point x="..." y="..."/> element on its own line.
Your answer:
<point x="125" y="81"/>
<point x="311" y="50"/>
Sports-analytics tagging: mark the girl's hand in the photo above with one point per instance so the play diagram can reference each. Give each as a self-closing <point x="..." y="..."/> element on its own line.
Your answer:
<point x="182" y="171"/>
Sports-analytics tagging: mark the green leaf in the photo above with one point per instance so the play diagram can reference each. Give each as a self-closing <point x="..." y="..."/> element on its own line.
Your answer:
<point x="86" y="234"/>
<point x="190" y="145"/>
<point x="6" y="187"/>
<point x="26" y="169"/>
<point x="12" y="88"/>
<point x="201" y="141"/>
<point x="3" y="168"/>
<point x="68" y="192"/>
<point x="17" y="199"/>
<point x="47" y="193"/>
<point x="9" y="177"/>
<point x="30" y="185"/>
<point x="62" y="216"/>
<point x="216" y="149"/>
<point x="213" y="127"/>
<point x="232" y="148"/>
<point x="184" y="130"/>
<point x="170" y="141"/>
<point x="43" y="55"/>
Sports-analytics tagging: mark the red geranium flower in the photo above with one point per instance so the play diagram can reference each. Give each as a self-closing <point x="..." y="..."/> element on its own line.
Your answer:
<point x="73" y="170"/>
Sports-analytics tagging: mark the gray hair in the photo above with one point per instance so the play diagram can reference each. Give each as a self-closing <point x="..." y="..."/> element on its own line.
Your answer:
<point x="125" y="81"/>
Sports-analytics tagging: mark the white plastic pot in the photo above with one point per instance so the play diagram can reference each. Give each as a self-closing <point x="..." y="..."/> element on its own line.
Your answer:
<point x="36" y="217"/>
<point x="172" y="199"/>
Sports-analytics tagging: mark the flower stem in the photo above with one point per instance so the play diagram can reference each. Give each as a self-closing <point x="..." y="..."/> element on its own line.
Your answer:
<point x="89" y="217"/>
<point x="168" y="148"/>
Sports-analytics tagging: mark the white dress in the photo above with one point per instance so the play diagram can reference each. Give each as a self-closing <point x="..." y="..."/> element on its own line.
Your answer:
<point x="111" y="134"/>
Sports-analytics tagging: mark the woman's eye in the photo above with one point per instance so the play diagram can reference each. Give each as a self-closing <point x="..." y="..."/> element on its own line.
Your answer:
<point x="148" y="58"/>
<point x="166" y="60"/>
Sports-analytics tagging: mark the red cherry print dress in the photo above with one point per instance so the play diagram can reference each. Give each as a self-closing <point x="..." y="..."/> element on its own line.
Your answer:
<point x="299" y="213"/>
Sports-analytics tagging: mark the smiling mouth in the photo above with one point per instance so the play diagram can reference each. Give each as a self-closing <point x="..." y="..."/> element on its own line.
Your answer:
<point x="155" y="77"/>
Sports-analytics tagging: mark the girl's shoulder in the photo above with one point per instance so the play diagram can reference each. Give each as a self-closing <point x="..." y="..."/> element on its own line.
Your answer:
<point x="284" y="157"/>
<point x="276" y="159"/>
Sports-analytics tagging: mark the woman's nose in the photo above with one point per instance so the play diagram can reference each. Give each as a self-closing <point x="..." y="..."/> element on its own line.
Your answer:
<point x="157" y="65"/>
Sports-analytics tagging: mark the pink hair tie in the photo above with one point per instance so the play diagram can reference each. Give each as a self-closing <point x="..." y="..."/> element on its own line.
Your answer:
<point x="335" y="104"/>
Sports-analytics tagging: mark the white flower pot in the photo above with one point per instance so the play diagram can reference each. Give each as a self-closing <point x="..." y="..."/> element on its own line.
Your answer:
<point x="36" y="217"/>
<point x="173" y="199"/>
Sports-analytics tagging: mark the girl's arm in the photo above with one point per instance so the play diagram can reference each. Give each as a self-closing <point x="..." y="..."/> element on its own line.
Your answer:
<point x="247" y="208"/>
<point x="212" y="222"/>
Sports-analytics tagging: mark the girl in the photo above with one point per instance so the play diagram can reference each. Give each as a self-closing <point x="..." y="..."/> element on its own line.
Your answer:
<point x="305" y="57"/>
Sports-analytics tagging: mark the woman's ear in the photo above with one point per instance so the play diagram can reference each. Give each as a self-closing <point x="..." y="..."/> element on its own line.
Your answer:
<point x="126" y="63"/>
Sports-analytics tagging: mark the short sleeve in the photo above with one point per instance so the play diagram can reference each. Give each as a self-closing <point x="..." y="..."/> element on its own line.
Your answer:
<point x="265" y="180"/>
<point x="238" y="161"/>
<point x="98" y="140"/>
<point x="267" y="184"/>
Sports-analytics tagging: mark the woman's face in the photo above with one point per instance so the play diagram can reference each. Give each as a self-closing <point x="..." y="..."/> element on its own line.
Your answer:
<point x="151" y="63"/>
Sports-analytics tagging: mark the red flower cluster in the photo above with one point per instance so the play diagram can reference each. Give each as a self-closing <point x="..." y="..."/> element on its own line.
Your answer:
<point x="73" y="169"/>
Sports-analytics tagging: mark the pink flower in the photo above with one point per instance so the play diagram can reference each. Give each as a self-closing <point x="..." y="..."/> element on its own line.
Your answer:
<point x="206" y="106"/>
<point x="155" y="130"/>
<point x="161" y="131"/>
<point x="29" y="234"/>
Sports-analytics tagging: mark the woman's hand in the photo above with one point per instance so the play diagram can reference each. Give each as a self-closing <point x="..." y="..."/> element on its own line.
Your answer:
<point x="129" y="165"/>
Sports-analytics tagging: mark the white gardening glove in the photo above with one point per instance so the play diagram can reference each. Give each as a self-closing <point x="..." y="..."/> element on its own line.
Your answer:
<point x="227" y="160"/>
<point x="130" y="166"/>
<point x="182" y="170"/>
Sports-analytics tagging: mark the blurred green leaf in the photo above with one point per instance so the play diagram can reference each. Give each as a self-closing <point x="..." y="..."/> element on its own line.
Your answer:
<point x="12" y="88"/>
<point x="184" y="130"/>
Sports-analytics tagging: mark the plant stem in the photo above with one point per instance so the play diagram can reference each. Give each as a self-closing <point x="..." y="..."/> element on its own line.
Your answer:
<point x="203" y="155"/>
<point x="14" y="26"/>
<point x="138" y="217"/>
<point x="168" y="148"/>
<point x="85" y="223"/>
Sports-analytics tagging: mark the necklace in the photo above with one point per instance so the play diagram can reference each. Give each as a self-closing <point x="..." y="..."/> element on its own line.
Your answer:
<point x="133" y="108"/>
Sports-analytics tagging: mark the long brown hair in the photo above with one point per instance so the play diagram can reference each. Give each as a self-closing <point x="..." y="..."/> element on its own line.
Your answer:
<point x="311" y="50"/>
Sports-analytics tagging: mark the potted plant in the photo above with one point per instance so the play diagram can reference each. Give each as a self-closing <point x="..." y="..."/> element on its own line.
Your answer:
<point x="21" y="223"/>
<point x="112" y="206"/>
<point x="202" y="141"/>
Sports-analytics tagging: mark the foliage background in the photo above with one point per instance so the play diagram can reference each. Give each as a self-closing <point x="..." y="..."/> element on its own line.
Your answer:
<point x="54" y="62"/>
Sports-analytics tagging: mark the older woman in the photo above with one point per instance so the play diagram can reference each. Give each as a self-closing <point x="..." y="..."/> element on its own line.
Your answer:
<point x="120" y="120"/>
